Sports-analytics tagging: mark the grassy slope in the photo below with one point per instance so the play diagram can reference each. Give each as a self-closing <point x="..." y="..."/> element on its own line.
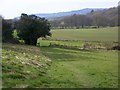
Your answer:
<point x="23" y="65"/>
<point x="72" y="68"/>
<point x="101" y="34"/>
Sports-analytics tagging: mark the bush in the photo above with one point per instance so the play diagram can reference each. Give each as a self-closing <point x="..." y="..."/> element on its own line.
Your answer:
<point x="7" y="30"/>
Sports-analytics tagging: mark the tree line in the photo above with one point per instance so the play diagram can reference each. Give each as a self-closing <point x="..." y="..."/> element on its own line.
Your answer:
<point x="107" y="17"/>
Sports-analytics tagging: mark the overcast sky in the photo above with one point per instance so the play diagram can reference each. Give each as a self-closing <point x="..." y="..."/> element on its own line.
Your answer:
<point x="13" y="8"/>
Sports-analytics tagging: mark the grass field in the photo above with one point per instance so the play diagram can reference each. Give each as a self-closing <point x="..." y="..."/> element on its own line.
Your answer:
<point x="82" y="69"/>
<point x="54" y="67"/>
<point x="69" y="68"/>
<point x="101" y="34"/>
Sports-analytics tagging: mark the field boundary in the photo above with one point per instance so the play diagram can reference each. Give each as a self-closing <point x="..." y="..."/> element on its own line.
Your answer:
<point x="86" y="47"/>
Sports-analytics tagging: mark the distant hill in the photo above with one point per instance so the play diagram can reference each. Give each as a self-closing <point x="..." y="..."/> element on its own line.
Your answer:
<point x="111" y="14"/>
<point x="61" y="14"/>
<point x="92" y="17"/>
<point x="51" y="16"/>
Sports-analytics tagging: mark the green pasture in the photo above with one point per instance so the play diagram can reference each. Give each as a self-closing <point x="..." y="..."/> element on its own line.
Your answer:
<point x="99" y="34"/>
<point x="82" y="69"/>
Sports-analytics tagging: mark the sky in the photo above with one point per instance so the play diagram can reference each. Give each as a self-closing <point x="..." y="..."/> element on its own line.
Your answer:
<point x="13" y="8"/>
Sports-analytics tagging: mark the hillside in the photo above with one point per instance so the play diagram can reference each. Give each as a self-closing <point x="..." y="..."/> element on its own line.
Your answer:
<point x="111" y="13"/>
<point x="99" y="18"/>
<point x="22" y="65"/>
<point x="62" y="14"/>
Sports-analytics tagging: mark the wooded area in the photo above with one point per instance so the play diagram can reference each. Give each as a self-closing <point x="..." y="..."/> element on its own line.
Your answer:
<point x="103" y="18"/>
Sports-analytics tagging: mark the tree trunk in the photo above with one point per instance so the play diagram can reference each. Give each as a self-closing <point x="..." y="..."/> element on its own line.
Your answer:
<point x="32" y="41"/>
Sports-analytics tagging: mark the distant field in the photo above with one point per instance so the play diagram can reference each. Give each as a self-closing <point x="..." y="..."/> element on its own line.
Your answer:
<point x="101" y="34"/>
